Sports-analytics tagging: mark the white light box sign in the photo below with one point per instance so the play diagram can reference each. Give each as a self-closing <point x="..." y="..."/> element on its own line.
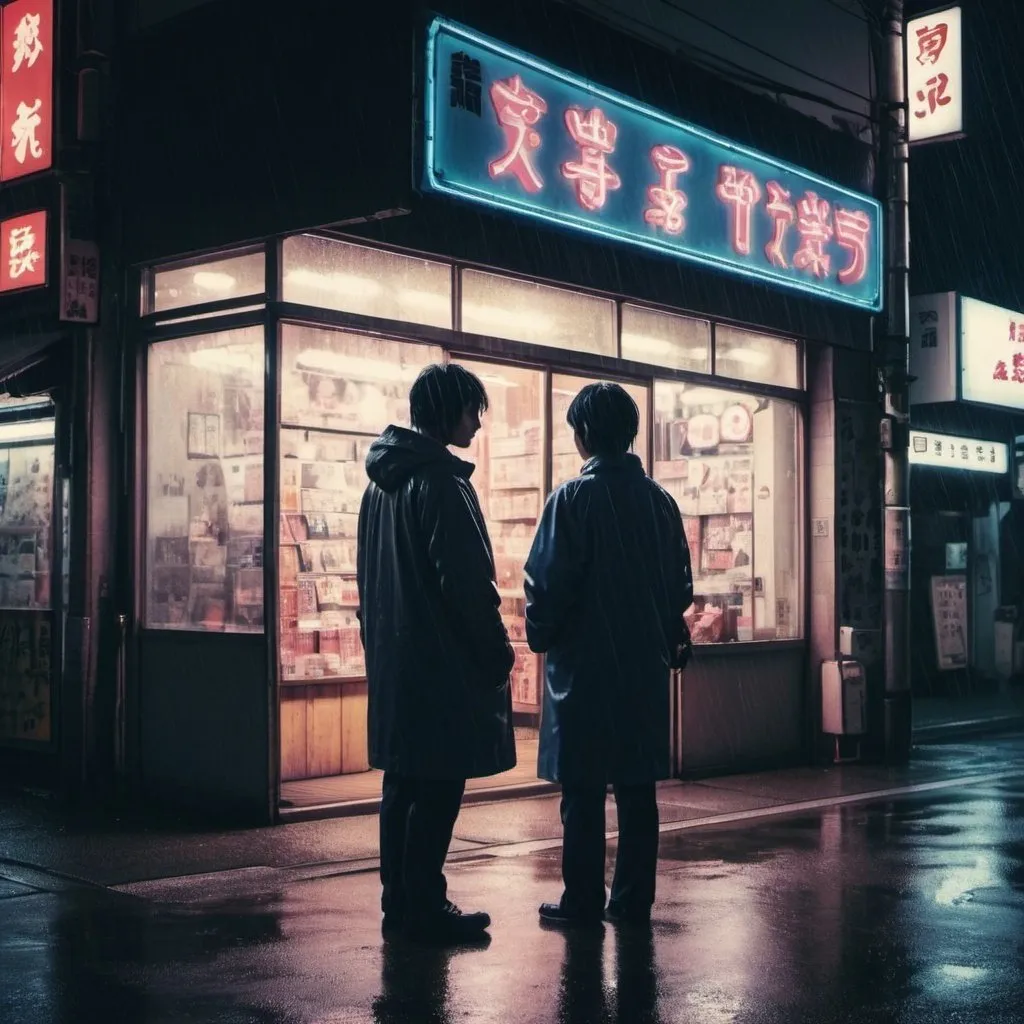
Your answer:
<point x="935" y="76"/>
<point x="946" y="451"/>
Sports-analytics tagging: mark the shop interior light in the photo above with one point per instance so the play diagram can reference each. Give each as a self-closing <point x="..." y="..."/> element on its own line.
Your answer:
<point x="697" y="354"/>
<point x="214" y="281"/>
<point x="26" y="430"/>
<point x="749" y="356"/>
<point x="499" y="320"/>
<point x="337" y="282"/>
<point x="337" y="364"/>
<point x="227" y="358"/>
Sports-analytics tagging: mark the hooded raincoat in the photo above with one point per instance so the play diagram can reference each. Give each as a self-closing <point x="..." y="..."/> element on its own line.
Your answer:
<point x="437" y="654"/>
<point x="607" y="582"/>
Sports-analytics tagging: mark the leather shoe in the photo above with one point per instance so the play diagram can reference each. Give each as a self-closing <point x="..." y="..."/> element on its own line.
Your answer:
<point x="447" y="924"/>
<point x="557" y="914"/>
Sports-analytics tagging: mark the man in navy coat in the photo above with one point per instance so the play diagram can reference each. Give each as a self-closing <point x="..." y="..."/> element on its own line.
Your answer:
<point x="607" y="582"/>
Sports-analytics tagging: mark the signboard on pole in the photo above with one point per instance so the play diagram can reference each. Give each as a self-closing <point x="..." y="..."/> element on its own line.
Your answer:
<point x="935" y="76"/>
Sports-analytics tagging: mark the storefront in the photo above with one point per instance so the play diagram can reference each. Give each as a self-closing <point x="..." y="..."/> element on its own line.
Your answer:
<point x="621" y="243"/>
<point x="969" y="367"/>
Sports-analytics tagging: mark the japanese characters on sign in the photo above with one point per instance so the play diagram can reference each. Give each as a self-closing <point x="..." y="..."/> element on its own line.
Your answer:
<point x="991" y="354"/>
<point x="933" y="348"/>
<point x="23" y="252"/>
<point x="934" y="76"/>
<point x="26" y="87"/>
<point x="946" y="451"/>
<point x="509" y="131"/>
<point x="80" y="282"/>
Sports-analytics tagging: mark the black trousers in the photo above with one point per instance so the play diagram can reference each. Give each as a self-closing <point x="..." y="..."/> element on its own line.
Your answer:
<point x="583" y="848"/>
<point x="417" y="817"/>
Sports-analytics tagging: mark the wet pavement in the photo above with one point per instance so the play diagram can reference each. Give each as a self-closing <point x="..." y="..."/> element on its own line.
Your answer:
<point x="905" y="908"/>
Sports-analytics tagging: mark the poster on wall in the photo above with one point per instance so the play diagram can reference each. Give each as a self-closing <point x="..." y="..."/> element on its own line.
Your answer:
<point x="949" y="619"/>
<point x="25" y="676"/>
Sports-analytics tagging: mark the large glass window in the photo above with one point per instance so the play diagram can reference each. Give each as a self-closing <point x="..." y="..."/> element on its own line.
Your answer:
<point x="509" y="478"/>
<point x="761" y="358"/>
<point x="204" y="516"/>
<point x="26" y="566"/>
<point x="506" y="307"/>
<point x="565" y="459"/>
<point x="731" y="460"/>
<point x="198" y="281"/>
<point x="371" y="282"/>
<point x="665" y="339"/>
<point x="338" y="392"/>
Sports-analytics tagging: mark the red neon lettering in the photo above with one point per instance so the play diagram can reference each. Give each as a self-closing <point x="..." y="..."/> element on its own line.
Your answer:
<point x="518" y="110"/>
<point x="815" y="230"/>
<point x="595" y="135"/>
<point x="853" y="227"/>
<point x="782" y="213"/>
<point x="742" y="191"/>
<point x="667" y="202"/>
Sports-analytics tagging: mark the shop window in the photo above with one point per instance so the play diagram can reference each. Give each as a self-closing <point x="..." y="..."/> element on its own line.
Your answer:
<point x="204" y="460"/>
<point x="195" y="282"/>
<point x="509" y="478"/>
<point x="731" y="461"/>
<point x="338" y="393"/>
<point x="565" y="460"/>
<point x="759" y="358"/>
<point x="665" y="339"/>
<point x="26" y="560"/>
<point x="371" y="282"/>
<point x="506" y="307"/>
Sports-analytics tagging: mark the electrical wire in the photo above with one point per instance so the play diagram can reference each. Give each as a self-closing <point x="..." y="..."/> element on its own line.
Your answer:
<point x="699" y="56"/>
<point x="672" y="5"/>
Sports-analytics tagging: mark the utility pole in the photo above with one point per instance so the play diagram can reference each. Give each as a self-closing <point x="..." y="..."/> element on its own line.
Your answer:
<point x="894" y="382"/>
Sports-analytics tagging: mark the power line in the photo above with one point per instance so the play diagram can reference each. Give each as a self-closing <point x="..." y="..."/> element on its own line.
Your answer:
<point x="738" y="72"/>
<point x="764" y="53"/>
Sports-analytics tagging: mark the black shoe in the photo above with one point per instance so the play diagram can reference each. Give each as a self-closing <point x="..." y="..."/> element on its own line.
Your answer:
<point x="619" y="914"/>
<point x="556" y="914"/>
<point x="448" y="924"/>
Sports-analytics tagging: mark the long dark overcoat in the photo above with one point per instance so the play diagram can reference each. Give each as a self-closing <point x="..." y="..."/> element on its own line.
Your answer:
<point x="607" y="582"/>
<point x="437" y="654"/>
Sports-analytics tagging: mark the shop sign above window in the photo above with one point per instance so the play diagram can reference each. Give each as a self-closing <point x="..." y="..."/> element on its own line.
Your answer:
<point x="513" y="132"/>
<point x="968" y="453"/>
<point x="24" y="255"/>
<point x="26" y="88"/>
<point x="935" y="76"/>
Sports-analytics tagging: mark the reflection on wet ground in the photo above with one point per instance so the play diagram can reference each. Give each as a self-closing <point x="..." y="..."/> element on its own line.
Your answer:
<point x="907" y="909"/>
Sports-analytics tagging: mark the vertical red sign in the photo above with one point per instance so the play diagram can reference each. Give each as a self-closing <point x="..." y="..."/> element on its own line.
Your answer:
<point x="26" y="88"/>
<point x="23" y="251"/>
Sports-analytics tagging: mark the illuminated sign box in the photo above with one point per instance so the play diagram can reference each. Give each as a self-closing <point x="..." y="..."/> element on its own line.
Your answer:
<point x="966" y="453"/>
<point x="965" y="349"/>
<point x="935" y="74"/>
<point x="515" y="133"/>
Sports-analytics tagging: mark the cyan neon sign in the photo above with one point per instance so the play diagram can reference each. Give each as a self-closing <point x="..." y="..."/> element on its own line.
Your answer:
<point x="512" y="132"/>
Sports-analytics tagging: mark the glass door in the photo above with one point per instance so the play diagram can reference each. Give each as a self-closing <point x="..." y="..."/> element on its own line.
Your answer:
<point x="509" y="456"/>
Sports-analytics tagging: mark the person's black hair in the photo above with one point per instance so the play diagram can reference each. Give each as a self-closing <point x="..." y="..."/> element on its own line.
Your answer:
<point x="440" y="395"/>
<point x="606" y="419"/>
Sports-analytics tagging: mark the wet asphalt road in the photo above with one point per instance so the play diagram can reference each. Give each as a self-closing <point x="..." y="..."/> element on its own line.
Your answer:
<point x="907" y="910"/>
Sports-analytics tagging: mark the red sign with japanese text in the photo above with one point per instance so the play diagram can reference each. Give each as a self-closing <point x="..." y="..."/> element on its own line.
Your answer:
<point x="23" y="251"/>
<point x="26" y="88"/>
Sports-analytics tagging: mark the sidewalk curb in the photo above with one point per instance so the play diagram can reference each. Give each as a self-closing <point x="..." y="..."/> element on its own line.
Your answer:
<point x="970" y="727"/>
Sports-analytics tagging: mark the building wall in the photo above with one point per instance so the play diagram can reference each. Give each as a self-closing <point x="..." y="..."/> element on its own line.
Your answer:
<point x="235" y="135"/>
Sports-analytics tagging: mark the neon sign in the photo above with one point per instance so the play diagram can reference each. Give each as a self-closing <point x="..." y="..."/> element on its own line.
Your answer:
<point x="553" y="146"/>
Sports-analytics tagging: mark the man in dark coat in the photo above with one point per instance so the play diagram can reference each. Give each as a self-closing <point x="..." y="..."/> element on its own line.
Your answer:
<point x="607" y="582"/>
<point x="437" y="654"/>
